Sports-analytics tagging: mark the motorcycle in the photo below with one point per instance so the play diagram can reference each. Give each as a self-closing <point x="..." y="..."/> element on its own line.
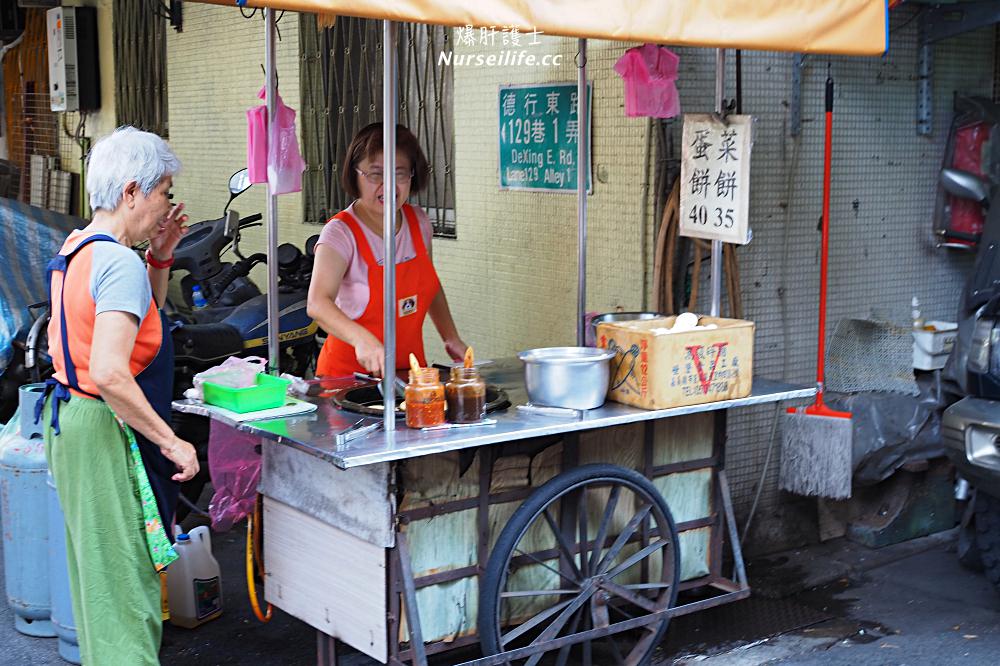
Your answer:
<point x="971" y="426"/>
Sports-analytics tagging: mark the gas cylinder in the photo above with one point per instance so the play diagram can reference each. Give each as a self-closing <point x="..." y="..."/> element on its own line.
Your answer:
<point x="194" y="584"/>
<point x="25" y="517"/>
<point x="62" y="602"/>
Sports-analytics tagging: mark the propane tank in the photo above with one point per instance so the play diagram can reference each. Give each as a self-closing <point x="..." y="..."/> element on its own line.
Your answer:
<point x="62" y="602"/>
<point x="25" y="517"/>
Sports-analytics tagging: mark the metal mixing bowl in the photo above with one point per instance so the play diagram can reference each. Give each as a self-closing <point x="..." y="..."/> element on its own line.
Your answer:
<point x="572" y="377"/>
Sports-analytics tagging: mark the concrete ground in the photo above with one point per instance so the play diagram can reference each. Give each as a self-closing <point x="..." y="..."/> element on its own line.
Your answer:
<point x="833" y="604"/>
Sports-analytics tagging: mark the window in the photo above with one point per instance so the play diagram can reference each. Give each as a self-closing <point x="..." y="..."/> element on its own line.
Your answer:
<point x="342" y="92"/>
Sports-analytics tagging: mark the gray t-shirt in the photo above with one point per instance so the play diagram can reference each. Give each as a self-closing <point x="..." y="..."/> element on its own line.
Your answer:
<point x="118" y="280"/>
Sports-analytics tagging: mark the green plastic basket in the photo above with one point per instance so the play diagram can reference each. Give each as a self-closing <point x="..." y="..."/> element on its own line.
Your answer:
<point x="267" y="394"/>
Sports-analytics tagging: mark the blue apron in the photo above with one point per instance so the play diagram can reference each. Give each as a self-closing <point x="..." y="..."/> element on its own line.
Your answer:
<point x="156" y="382"/>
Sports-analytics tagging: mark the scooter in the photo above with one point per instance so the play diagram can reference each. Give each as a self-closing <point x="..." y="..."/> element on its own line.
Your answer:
<point x="971" y="426"/>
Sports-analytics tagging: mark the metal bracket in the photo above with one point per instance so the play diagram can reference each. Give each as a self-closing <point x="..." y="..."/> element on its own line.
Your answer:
<point x="943" y="21"/>
<point x="925" y="83"/>
<point x="795" y="112"/>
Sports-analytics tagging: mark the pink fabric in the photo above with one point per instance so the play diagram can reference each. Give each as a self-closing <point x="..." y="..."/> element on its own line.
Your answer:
<point x="353" y="295"/>
<point x="281" y="165"/>
<point x="650" y="74"/>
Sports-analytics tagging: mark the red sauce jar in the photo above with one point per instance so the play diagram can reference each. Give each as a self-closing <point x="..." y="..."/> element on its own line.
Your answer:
<point x="425" y="400"/>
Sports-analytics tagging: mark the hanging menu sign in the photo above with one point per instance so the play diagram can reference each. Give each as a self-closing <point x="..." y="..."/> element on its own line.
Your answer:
<point x="539" y="134"/>
<point x="715" y="177"/>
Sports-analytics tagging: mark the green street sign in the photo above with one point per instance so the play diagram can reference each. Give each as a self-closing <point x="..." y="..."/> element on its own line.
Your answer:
<point x="538" y="137"/>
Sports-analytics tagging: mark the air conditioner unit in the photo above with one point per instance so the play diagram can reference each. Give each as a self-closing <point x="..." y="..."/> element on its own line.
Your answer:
<point x="74" y="70"/>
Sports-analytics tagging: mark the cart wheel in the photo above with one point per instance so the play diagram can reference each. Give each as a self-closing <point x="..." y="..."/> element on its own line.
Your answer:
<point x="572" y="559"/>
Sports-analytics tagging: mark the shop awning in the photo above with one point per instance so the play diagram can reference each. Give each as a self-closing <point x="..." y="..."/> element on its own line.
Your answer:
<point x="849" y="27"/>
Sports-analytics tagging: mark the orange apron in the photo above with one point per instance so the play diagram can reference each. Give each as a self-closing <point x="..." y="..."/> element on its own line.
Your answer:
<point x="416" y="286"/>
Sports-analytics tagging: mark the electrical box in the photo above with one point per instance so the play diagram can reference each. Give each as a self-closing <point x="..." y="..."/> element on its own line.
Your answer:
<point x="74" y="69"/>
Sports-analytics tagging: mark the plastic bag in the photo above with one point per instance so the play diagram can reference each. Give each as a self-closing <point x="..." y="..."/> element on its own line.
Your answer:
<point x="234" y="463"/>
<point x="283" y="162"/>
<point x="234" y="372"/>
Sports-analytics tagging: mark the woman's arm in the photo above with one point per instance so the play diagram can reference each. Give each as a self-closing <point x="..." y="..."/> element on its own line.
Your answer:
<point x="444" y="323"/>
<point x="114" y="340"/>
<point x="329" y="268"/>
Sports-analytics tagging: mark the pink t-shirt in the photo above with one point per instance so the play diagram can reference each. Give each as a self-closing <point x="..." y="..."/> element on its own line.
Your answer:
<point x="353" y="296"/>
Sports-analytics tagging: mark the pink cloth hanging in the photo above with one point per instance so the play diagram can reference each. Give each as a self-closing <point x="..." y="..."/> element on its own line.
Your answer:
<point x="650" y="74"/>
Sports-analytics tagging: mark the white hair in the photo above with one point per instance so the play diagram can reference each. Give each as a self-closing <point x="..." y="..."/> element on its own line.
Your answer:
<point x="127" y="155"/>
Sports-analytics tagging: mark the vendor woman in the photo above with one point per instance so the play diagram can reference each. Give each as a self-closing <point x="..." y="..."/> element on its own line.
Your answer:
<point x="346" y="296"/>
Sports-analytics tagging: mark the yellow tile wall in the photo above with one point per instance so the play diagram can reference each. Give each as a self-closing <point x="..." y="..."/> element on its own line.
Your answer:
<point x="511" y="275"/>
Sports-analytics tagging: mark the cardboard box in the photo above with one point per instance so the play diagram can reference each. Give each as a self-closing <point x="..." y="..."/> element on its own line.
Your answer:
<point x="656" y="369"/>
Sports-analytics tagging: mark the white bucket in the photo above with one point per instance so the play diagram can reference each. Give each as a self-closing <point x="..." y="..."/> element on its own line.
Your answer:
<point x="933" y="343"/>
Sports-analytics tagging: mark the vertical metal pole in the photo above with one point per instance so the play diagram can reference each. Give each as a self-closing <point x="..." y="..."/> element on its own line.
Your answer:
<point x="720" y="79"/>
<point x="582" y="170"/>
<point x="273" y="310"/>
<point x="389" y="76"/>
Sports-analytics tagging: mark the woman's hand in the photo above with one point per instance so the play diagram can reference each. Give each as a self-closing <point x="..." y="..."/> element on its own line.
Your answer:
<point x="455" y="348"/>
<point x="171" y="231"/>
<point x="183" y="455"/>
<point x="370" y="354"/>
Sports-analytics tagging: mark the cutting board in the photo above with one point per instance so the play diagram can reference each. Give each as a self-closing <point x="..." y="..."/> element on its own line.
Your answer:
<point x="292" y="407"/>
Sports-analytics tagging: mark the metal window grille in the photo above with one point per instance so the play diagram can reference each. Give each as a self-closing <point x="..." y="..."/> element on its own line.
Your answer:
<point x="140" y="46"/>
<point x="342" y="92"/>
<point x="41" y="146"/>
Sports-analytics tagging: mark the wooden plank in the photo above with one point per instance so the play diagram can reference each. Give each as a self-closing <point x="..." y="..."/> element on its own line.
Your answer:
<point x="326" y="577"/>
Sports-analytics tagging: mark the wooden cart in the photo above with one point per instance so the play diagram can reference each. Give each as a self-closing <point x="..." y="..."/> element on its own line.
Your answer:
<point x="537" y="535"/>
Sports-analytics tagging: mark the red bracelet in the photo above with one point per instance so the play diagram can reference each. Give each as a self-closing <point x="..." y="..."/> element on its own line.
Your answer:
<point x="156" y="263"/>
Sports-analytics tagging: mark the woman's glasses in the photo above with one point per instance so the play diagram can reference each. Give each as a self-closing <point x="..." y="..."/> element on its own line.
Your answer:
<point x="377" y="177"/>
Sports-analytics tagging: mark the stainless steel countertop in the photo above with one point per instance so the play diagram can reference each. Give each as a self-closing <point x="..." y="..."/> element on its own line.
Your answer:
<point x="315" y="433"/>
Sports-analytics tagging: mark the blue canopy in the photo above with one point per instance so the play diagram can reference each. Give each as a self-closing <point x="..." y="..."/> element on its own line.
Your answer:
<point x="29" y="237"/>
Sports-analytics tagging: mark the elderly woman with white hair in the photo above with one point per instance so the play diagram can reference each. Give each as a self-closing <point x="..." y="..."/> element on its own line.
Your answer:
<point x="115" y="460"/>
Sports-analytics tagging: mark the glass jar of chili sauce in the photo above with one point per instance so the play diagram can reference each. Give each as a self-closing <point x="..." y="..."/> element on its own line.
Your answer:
<point x="425" y="400"/>
<point x="466" y="396"/>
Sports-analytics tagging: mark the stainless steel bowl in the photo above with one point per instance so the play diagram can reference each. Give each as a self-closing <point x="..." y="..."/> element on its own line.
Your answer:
<point x="610" y="317"/>
<point x="572" y="377"/>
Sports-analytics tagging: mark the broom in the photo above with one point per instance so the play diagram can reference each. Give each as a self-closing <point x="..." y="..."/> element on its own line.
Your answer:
<point x="816" y="440"/>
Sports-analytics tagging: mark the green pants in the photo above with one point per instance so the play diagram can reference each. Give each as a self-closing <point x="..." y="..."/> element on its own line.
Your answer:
<point x="116" y="591"/>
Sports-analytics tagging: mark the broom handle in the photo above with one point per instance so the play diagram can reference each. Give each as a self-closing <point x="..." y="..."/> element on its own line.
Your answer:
<point x="823" y="266"/>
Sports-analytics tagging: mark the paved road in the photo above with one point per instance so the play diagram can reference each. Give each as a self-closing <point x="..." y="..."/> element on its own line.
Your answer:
<point x="923" y="609"/>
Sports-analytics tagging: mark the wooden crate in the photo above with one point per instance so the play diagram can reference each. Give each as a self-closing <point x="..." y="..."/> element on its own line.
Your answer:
<point x="655" y="369"/>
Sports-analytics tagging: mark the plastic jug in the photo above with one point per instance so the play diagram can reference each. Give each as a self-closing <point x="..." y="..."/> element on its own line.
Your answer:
<point x="194" y="583"/>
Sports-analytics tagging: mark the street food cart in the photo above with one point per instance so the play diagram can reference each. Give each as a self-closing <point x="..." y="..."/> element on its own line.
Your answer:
<point x="565" y="535"/>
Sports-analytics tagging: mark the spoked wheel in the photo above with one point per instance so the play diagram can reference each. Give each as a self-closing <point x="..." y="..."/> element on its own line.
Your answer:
<point x="593" y="547"/>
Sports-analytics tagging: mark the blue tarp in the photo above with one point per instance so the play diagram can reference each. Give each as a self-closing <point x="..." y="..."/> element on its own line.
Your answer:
<point x="29" y="237"/>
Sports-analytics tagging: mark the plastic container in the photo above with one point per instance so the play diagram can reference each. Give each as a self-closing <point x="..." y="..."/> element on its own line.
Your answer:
<point x="425" y="402"/>
<point x="267" y="394"/>
<point x="194" y="582"/>
<point x="465" y="395"/>
<point x="932" y="344"/>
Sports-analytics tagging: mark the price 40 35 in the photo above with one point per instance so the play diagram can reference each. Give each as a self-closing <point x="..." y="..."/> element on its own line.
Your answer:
<point x="718" y="217"/>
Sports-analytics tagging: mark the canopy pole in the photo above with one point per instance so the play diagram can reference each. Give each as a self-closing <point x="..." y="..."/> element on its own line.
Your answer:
<point x="389" y="102"/>
<point x="582" y="171"/>
<point x="273" y="311"/>
<point x="720" y="79"/>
